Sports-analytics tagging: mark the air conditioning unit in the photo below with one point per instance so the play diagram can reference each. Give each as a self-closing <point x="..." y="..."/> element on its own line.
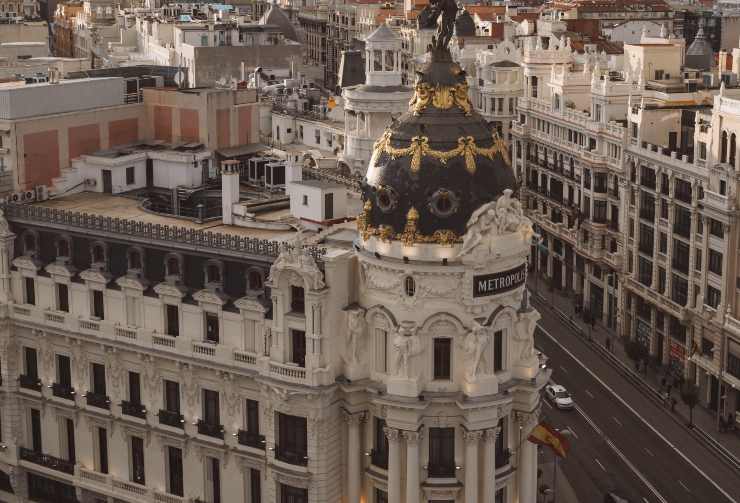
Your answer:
<point x="91" y="182"/>
<point x="42" y="192"/>
<point x="15" y="197"/>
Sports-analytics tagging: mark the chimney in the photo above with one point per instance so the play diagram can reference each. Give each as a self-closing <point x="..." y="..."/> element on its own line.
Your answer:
<point x="229" y="190"/>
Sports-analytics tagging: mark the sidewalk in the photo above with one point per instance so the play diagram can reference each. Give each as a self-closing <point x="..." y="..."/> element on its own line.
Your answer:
<point x="705" y="422"/>
<point x="565" y="492"/>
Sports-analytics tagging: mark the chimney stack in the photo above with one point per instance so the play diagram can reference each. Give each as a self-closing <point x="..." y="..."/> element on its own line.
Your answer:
<point x="229" y="190"/>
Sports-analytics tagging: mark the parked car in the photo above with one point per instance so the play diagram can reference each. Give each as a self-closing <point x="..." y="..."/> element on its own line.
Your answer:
<point x="559" y="397"/>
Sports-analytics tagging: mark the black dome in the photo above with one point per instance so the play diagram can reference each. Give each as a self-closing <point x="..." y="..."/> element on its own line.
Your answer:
<point x="464" y="25"/>
<point x="434" y="167"/>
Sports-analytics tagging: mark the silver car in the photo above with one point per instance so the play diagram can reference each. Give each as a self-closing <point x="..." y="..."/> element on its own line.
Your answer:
<point x="559" y="397"/>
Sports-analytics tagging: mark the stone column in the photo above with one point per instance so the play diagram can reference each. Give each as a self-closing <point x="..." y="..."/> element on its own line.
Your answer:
<point x="394" y="464"/>
<point x="489" y="465"/>
<point x="472" y="440"/>
<point x="412" y="466"/>
<point x="527" y="470"/>
<point x="354" y="464"/>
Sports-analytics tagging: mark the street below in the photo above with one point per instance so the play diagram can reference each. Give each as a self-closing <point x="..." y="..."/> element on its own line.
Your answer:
<point x="621" y="441"/>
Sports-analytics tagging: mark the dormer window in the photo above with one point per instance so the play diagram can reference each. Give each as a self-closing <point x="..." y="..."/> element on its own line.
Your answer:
<point x="254" y="280"/>
<point x="99" y="255"/>
<point x="135" y="259"/>
<point x="173" y="267"/>
<point x="63" y="249"/>
<point x="297" y="299"/>
<point x="30" y="243"/>
<point x="214" y="274"/>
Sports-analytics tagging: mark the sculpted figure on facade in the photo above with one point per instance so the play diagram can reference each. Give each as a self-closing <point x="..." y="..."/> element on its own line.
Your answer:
<point x="407" y="344"/>
<point x="355" y="330"/>
<point x="294" y="257"/>
<point x="474" y="346"/>
<point x="524" y="326"/>
<point x="504" y="216"/>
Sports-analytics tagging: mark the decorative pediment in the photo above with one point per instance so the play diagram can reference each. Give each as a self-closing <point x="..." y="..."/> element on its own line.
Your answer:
<point x="27" y="263"/>
<point x="132" y="283"/>
<point x="60" y="270"/>
<point x="95" y="276"/>
<point x="170" y="290"/>
<point x="208" y="296"/>
<point x="251" y="304"/>
<point x="295" y="258"/>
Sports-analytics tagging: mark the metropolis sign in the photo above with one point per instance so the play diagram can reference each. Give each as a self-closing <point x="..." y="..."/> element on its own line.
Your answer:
<point x="500" y="282"/>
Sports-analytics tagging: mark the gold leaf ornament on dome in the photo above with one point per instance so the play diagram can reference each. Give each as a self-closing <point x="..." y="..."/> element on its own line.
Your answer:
<point x="419" y="147"/>
<point x="441" y="97"/>
<point x="409" y="236"/>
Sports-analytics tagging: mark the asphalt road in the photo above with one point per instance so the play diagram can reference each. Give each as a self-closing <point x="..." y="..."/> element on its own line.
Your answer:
<point x="613" y="448"/>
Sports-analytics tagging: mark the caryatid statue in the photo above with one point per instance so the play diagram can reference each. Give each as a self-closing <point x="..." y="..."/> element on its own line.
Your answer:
<point x="407" y="344"/>
<point x="474" y="345"/>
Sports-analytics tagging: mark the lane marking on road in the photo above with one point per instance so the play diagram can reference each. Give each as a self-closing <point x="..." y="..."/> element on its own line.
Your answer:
<point x="631" y="409"/>
<point x="572" y="431"/>
<point x="684" y="486"/>
<point x="616" y="420"/>
<point x="563" y="369"/>
<point x="621" y="456"/>
<point x="645" y="499"/>
<point x="588" y="393"/>
<point x="547" y="402"/>
<point x="649" y="452"/>
<point x="599" y="463"/>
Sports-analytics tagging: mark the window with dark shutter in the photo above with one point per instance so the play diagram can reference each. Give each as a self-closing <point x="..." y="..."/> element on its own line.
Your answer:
<point x="442" y="355"/>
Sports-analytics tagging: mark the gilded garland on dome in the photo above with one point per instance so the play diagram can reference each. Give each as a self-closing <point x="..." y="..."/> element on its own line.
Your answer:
<point x="442" y="97"/>
<point x="410" y="234"/>
<point x="419" y="147"/>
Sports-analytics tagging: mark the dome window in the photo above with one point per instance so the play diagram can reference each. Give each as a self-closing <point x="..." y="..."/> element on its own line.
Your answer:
<point x="443" y="203"/>
<point x="387" y="199"/>
<point x="409" y="286"/>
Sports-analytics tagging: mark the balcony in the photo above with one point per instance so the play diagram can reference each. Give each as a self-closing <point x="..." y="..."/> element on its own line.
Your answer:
<point x="63" y="391"/>
<point x="170" y="418"/>
<point x="445" y="471"/>
<point x="47" y="461"/>
<point x="211" y="430"/>
<point x="254" y="440"/>
<point x="98" y="400"/>
<point x="379" y="458"/>
<point x="30" y="382"/>
<point x="290" y="457"/>
<point x="133" y="409"/>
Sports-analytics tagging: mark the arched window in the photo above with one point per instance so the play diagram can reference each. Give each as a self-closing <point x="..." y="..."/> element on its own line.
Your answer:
<point x="254" y="280"/>
<point x="30" y="243"/>
<point x="134" y="259"/>
<point x="173" y="266"/>
<point x="723" y="153"/>
<point x="213" y="273"/>
<point x="98" y="253"/>
<point x="733" y="148"/>
<point x="63" y="248"/>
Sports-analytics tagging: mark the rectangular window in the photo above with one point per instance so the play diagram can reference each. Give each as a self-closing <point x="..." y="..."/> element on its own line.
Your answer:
<point x="715" y="262"/>
<point x="680" y="290"/>
<point x="213" y="480"/>
<point x="31" y="366"/>
<point x="173" y="320"/>
<point x="62" y="297"/>
<point x="702" y="150"/>
<point x="64" y="371"/>
<point x="645" y="271"/>
<point x="292" y="437"/>
<point x="298" y="347"/>
<point x="253" y="417"/>
<point x="647" y="206"/>
<point x="98" y="379"/>
<point x="36" y="444"/>
<point x="212" y="329"/>
<point x="380" y="444"/>
<point x="680" y="256"/>
<point x="498" y="351"/>
<point x="664" y="209"/>
<point x="255" y="486"/>
<point x="30" y="291"/>
<point x="697" y="260"/>
<point x="98" y="304"/>
<point x="713" y="297"/>
<point x="682" y="222"/>
<point x="442" y="452"/>
<point x="174" y="468"/>
<point x="134" y="388"/>
<point x="682" y="191"/>
<point x="442" y="357"/>
<point x="297" y="299"/>
<point x="715" y="228"/>
<point x="172" y="396"/>
<point x="646" y="239"/>
<point x="137" y="461"/>
<point x="211" y="408"/>
<point x="130" y="176"/>
<point x="663" y="243"/>
<point x="102" y="450"/>
<point x="661" y="280"/>
<point x="69" y="440"/>
<point x="290" y="494"/>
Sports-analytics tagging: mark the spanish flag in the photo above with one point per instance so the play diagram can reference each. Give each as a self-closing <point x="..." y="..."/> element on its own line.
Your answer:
<point x="544" y="434"/>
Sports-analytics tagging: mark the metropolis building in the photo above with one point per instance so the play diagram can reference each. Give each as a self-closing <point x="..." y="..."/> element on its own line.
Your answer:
<point x="151" y="358"/>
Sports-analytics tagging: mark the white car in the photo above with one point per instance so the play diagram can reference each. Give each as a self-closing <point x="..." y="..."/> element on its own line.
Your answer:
<point x="559" y="396"/>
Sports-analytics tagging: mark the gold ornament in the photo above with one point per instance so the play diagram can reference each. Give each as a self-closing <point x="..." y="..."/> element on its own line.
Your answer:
<point x="408" y="236"/>
<point x="441" y="97"/>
